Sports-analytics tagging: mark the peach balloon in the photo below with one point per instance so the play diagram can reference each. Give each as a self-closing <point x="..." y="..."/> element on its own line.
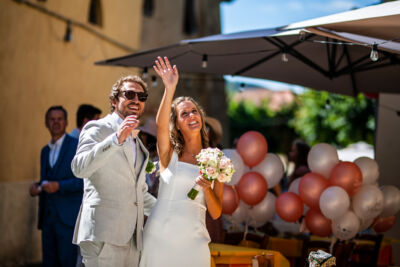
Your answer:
<point x="383" y="224"/>
<point x="289" y="207"/>
<point x="311" y="187"/>
<point x="318" y="224"/>
<point x="230" y="200"/>
<point x="346" y="175"/>
<point x="252" y="188"/>
<point x="252" y="147"/>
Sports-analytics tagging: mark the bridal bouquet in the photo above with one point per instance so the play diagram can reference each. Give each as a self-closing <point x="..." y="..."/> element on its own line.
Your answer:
<point x="213" y="165"/>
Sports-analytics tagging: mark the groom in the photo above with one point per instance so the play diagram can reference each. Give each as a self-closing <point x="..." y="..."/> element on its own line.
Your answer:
<point x="112" y="161"/>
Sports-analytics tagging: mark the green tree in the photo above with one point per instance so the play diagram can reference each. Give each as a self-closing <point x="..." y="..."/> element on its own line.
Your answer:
<point x="335" y="119"/>
<point x="246" y="116"/>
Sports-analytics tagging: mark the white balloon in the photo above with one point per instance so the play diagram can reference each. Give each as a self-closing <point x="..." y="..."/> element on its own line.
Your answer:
<point x="237" y="164"/>
<point x="241" y="213"/>
<point x="365" y="223"/>
<point x="271" y="168"/>
<point x="346" y="227"/>
<point x="391" y="200"/>
<point x="369" y="169"/>
<point x="368" y="202"/>
<point x="334" y="202"/>
<point x="294" y="186"/>
<point x="263" y="211"/>
<point x="322" y="158"/>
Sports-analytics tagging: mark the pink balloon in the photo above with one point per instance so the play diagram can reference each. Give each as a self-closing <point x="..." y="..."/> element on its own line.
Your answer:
<point x="346" y="175"/>
<point x="311" y="187"/>
<point x="252" y="147"/>
<point x="318" y="224"/>
<point x="383" y="224"/>
<point x="289" y="207"/>
<point x="252" y="188"/>
<point x="230" y="200"/>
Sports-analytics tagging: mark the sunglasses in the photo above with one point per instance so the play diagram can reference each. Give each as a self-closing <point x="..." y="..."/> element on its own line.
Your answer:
<point x="130" y="95"/>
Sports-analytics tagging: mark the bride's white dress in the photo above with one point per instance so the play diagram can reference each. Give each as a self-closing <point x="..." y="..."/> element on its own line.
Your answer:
<point x="175" y="233"/>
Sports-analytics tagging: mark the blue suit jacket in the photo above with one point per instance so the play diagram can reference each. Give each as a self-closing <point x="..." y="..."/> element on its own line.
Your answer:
<point x="68" y="199"/>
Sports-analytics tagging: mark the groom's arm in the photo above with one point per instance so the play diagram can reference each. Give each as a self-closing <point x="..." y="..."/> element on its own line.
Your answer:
<point x="97" y="143"/>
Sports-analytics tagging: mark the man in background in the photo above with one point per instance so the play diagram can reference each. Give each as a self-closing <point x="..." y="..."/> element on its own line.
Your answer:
<point x="60" y="192"/>
<point x="84" y="114"/>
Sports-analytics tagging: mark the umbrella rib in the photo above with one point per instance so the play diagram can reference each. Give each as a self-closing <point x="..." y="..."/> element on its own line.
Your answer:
<point x="264" y="59"/>
<point x="179" y="55"/>
<point x="258" y="62"/>
<point x="376" y="67"/>
<point x="354" y="65"/>
<point x="373" y="65"/>
<point x="299" y="56"/>
<point x="337" y="63"/>
<point x="350" y="66"/>
<point x="331" y="52"/>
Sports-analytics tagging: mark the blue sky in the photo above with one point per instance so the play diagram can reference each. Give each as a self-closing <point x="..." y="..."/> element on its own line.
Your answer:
<point x="242" y="15"/>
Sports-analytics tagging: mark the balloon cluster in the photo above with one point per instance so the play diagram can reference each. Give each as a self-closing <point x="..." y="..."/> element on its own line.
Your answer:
<point x="343" y="197"/>
<point x="246" y="197"/>
<point x="336" y="197"/>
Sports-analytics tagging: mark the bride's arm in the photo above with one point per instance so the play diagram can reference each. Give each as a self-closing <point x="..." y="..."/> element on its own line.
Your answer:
<point x="169" y="76"/>
<point x="212" y="196"/>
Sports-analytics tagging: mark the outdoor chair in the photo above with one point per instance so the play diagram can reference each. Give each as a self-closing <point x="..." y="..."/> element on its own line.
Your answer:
<point x="366" y="250"/>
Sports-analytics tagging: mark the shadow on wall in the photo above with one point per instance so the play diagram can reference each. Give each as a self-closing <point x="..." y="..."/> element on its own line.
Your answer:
<point x="18" y="226"/>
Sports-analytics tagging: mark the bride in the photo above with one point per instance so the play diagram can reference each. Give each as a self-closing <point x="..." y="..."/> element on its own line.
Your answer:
<point x="175" y="233"/>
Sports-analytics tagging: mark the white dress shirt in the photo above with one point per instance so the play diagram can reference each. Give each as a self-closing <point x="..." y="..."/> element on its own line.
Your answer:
<point x="55" y="150"/>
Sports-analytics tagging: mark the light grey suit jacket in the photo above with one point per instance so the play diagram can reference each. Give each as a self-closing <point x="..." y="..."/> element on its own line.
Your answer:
<point x="115" y="193"/>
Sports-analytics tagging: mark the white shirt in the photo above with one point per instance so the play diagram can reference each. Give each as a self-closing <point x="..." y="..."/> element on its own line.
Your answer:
<point x="130" y="139"/>
<point x="55" y="150"/>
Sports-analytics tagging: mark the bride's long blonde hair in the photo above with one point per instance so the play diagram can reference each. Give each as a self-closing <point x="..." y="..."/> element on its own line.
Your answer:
<point x="176" y="136"/>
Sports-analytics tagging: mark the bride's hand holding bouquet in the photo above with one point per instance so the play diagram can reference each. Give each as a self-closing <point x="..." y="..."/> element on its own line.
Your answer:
<point x="213" y="165"/>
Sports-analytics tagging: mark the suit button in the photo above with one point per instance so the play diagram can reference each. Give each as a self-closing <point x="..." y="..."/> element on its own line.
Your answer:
<point x="137" y="203"/>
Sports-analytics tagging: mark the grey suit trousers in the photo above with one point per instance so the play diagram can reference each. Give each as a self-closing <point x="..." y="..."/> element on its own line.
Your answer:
<point x="101" y="254"/>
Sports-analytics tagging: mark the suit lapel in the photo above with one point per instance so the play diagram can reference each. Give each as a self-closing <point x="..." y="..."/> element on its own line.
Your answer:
<point x="128" y="150"/>
<point x="142" y="157"/>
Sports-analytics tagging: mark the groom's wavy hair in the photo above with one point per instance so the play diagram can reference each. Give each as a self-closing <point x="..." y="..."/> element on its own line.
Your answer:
<point x="116" y="89"/>
<point x="176" y="136"/>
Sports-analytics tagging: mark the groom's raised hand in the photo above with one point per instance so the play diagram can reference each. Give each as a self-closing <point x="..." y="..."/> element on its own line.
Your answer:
<point x="126" y="128"/>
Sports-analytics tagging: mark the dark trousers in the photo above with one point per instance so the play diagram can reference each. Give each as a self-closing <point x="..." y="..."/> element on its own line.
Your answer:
<point x="57" y="246"/>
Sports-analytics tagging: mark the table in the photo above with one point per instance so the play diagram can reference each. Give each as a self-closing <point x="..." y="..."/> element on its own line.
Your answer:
<point x="242" y="256"/>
